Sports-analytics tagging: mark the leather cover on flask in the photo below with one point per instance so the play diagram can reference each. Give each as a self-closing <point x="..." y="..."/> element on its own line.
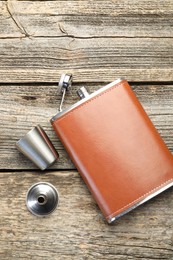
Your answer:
<point x="116" y="149"/>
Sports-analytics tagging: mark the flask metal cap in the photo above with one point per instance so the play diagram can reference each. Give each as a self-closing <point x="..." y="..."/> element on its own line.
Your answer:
<point x="42" y="199"/>
<point x="37" y="146"/>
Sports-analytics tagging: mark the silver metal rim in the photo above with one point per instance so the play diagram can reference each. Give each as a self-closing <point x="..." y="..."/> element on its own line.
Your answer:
<point x="86" y="99"/>
<point x="141" y="202"/>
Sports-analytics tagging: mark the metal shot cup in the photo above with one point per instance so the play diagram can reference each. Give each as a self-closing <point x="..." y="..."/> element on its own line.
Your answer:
<point x="37" y="146"/>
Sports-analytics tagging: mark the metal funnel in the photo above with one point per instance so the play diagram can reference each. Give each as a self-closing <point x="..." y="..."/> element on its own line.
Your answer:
<point x="42" y="199"/>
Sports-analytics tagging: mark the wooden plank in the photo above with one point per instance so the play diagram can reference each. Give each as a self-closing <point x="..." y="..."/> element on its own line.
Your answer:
<point x="90" y="60"/>
<point x="8" y="28"/>
<point x="24" y="106"/>
<point x="77" y="230"/>
<point x="108" y="18"/>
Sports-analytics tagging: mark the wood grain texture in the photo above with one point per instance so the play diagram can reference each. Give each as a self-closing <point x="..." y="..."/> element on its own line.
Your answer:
<point x="90" y="60"/>
<point x="77" y="230"/>
<point x="24" y="106"/>
<point x="87" y="18"/>
<point x="97" y="41"/>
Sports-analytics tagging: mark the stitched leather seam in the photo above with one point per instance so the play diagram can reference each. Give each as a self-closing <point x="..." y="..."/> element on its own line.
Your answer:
<point x="119" y="210"/>
<point x="90" y="100"/>
<point x="82" y="105"/>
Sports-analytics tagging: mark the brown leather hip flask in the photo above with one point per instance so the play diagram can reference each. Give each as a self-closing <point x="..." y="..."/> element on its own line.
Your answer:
<point x="116" y="148"/>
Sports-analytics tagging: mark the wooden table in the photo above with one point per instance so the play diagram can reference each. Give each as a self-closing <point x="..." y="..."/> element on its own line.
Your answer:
<point x="97" y="41"/>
